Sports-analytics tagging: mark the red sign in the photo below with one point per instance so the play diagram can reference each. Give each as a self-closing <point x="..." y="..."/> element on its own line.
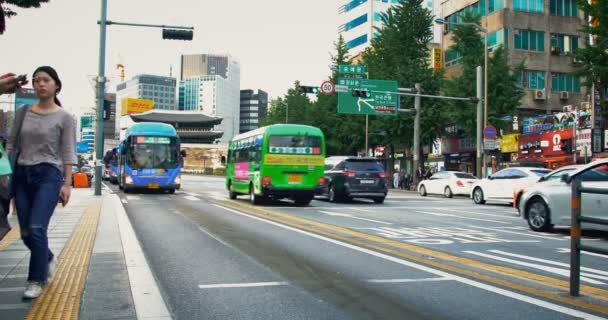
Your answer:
<point x="546" y="144"/>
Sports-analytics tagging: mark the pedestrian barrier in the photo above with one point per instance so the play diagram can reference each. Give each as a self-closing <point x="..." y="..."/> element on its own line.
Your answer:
<point x="577" y="218"/>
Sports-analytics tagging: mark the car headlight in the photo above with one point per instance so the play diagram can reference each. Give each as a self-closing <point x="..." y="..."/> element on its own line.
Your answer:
<point x="178" y="180"/>
<point x="128" y="179"/>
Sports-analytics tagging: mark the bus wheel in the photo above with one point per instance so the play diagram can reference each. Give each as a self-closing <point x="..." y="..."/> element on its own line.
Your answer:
<point x="171" y="191"/>
<point x="253" y="198"/>
<point x="231" y="193"/>
<point x="303" y="201"/>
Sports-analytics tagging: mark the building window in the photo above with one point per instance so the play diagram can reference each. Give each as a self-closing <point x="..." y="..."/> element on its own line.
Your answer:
<point x="530" y="40"/>
<point x="497" y="38"/>
<point x="563" y="8"/>
<point x="355" y="22"/>
<point x="357" y="41"/>
<point x="477" y="8"/>
<point x="494" y="5"/>
<point x="353" y="4"/>
<point x="566" y="44"/>
<point x="452" y="58"/>
<point x="530" y="79"/>
<point x="529" y="5"/>
<point x="565" y="82"/>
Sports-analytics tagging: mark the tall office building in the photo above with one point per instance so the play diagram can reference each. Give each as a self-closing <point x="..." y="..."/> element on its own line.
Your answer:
<point x="359" y="18"/>
<point x="159" y="89"/>
<point x="254" y="106"/>
<point x="543" y="33"/>
<point x="211" y="85"/>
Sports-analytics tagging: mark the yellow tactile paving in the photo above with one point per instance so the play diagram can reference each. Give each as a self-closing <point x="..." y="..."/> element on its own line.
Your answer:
<point x="61" y="298"/>
<point x="11" y="237"/>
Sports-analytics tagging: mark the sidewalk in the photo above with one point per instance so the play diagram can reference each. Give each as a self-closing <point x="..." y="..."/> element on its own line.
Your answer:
<point x="101" y="272"/>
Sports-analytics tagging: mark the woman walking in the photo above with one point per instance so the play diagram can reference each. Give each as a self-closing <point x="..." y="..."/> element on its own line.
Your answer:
<point x="42" y="177"/>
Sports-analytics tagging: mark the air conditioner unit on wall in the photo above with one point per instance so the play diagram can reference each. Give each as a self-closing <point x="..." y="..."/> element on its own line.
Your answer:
<point x="563" y="95"/>
<point x="540" y="95"/>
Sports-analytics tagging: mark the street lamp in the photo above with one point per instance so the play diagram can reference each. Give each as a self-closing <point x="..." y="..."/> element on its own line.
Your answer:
<point x="485" y="69"/>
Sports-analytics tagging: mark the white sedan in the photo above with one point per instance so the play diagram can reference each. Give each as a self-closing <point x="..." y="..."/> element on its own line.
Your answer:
<point x="501" y="186"/>
<point x="549" y="201"/>
<point x="448" y="183"/>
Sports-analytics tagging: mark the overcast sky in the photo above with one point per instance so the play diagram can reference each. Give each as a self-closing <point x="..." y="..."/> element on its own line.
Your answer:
<point x="276" y="41"/>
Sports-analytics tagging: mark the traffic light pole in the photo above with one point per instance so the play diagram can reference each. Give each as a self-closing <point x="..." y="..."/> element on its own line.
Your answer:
<point x="416" y="155"/>
<point x="480" y="119"/>
<point x="101" y="87"/>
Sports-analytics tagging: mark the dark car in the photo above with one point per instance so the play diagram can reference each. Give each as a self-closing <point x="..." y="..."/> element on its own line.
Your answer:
<point x="350" y="177"/>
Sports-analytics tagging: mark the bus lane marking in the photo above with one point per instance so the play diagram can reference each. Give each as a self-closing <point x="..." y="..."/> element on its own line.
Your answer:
<point x="440" y="273"/>
<point x="336" y="214"/>
<point x="477" y="213"/>
<point x="191" y="198"/>
<point x="498" y="229"/>
<point x="461" y="217"/>
<point x="555" y="263"/>
<point x="566" y="250"/>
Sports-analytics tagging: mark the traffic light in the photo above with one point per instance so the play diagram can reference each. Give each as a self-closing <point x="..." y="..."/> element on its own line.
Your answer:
<point x="107" y="111"/>
<point x="567" y="146"/>
<point x="361" y="93"/>
<point x="307" y="89"/>
<point x="173" y="34"/>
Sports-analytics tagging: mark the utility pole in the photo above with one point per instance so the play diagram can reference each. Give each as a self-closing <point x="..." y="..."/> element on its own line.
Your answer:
<point x="480" y="119"/>
<point x="417" y="107"/>
<point x="101" y="83"/>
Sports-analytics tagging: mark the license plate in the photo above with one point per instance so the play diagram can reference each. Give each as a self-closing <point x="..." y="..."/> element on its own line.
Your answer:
<point x="368" y="181"/>
<point x="294" y="178"/>
<point x="153" y="186"/>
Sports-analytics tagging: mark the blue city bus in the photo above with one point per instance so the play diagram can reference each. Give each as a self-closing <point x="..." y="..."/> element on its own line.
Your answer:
<point x="150" y="158"/>
<point x="114" y="170"/>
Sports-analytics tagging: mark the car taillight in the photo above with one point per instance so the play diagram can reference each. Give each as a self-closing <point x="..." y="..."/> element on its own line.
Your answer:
<point x="383" y="175"/>
<point x="349" y="174"/>
<point x="459" y="183"/>
<point x="321" y="181"/>
<point x="266" y="180"/>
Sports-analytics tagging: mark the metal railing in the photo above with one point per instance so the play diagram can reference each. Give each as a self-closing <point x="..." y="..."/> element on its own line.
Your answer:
<point x="577" y="218"/>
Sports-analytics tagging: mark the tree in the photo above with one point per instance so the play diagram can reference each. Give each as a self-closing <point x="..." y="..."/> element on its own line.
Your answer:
<point x="7" y="12"/>
<point x="400" y="51"/>
<point x="294" y="107"/>
<point x="592" y="61"/>
<point x="504" y="95"/>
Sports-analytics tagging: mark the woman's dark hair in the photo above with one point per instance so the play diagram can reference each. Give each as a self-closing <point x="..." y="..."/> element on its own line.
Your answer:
<point x="53" y="74"/>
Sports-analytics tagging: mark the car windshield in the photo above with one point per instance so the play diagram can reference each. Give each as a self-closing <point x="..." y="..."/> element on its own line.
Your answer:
<point x="597" y="174"/>
<point x="540" y="173"/>
<point x="465" y="176"/>
<point x="366" y="165"/>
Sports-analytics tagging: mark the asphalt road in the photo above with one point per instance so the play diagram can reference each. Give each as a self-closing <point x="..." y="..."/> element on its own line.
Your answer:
<point x="409" y="258"/>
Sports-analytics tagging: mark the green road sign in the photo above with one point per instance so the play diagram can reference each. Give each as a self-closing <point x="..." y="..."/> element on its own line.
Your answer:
<point x="352" y="69"/>
<point x="381" y="97"/>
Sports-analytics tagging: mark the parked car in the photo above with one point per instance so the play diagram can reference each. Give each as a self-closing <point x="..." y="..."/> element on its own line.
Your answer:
<point x="448" y="183"/>
<point x="549" y="202"/>
<point x="350" y="177"/>
<point x="501" y="185"/>
<point x="551" y="176"/>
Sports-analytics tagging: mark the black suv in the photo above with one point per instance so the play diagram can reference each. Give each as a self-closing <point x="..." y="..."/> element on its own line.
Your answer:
<point x="350" y="177"/>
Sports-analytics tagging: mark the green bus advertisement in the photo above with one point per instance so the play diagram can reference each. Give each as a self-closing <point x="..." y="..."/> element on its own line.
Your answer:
<point x="276" y="162"/>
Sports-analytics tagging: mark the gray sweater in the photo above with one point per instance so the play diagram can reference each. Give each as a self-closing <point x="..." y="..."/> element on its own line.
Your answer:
<point x="45" y="138"/>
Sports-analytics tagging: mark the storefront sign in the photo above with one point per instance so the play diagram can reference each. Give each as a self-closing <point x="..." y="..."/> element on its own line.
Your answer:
<point x="532" y="146"/>
<point x="583" y="138"/>
<point x="556" y="121"/>
<point x="509" y="143"/>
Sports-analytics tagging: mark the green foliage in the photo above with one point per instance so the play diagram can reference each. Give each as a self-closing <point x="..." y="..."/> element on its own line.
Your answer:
<point x="219" y="171"/>
<point x="6" y="11"/>
<point x="504" y="94"/>
<point x="593" y="60"/>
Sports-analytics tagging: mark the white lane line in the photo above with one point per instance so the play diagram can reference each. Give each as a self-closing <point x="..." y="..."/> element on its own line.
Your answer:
<point x="555" y="263"/>
<point x="461" y="217"/>
<point x="561" y="272"/>
<point x="497" y="229"/>
<point x="566" y="250"/>
<point x="243" y="285"/>
<point x="363" y="210"/>
<point x="478" y="213"/>
<point x="191" y="198"/>
<point x="408" y="280"/>
<point x="147" y="299"/>
<point x="586" y="239"/>
<point x="192" y="194"/>
<point x="15" y="276"/>
<point x="16" y="289"/>
<point x="133" y="198"/>
<point x="124" y="201"/>
<point x="336" y="214"/>
<point x="473" y="283"/>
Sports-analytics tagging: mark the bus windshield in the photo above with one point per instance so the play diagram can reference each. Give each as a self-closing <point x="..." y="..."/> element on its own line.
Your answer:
<point x="294" y="144"/>
<point x="153" y="152"/>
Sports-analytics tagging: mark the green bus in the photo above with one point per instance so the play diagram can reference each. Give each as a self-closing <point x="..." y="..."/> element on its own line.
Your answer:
<point x="276" y="162"/>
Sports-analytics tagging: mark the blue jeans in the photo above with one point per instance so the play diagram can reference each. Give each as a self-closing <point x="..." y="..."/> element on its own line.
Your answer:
<point x="36" y="195"/>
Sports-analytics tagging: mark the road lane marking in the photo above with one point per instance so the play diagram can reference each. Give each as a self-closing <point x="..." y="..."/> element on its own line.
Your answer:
<point x="477" y="213"/>
<point x="191" y="198"/>
<point x="124" y="201"/>
<point x="461" y="217"/>
<point x="243" y="285"/>
<point x="363" y="210"/>
<point x="16" y="276"/>
<point x="561" y="272"/>
<point x="133" y="198"/>
<point x="409" y="280"/>
<point x="14" y="306"/>
<point x="437" y="272"/>
<point x="566" y="250"/>
<point x="421" y="253"/>
<point x="498" y="229"/>
<point x="336" y="214"/>
<point x="555" y="263"/>
<point x="16" y="289"/>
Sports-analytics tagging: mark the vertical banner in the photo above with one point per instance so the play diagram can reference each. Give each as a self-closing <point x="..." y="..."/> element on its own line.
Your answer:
<point x="437" y="59"/>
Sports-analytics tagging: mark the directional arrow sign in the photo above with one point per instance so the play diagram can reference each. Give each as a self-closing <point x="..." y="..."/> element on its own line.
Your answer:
<point x="383" y="99"/>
